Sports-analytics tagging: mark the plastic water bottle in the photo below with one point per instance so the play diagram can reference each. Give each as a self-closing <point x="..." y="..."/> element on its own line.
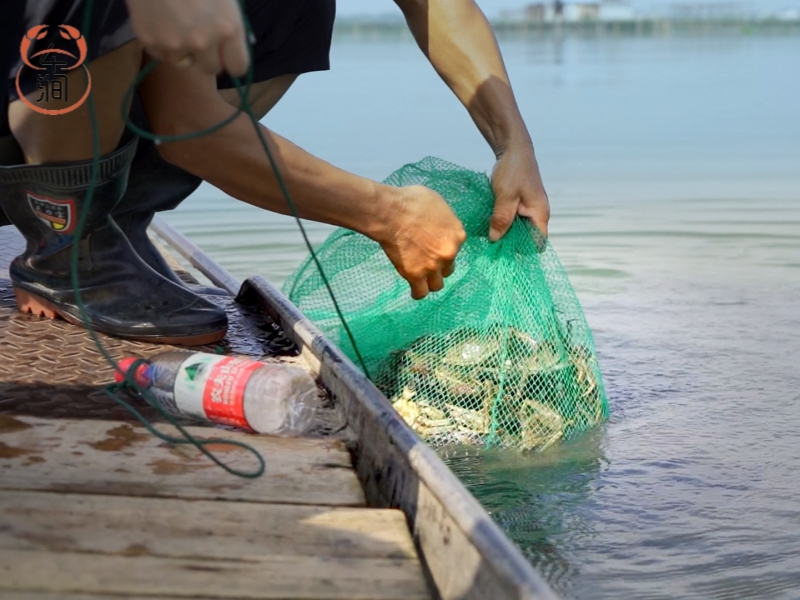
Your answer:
<point x="271" y="398"/>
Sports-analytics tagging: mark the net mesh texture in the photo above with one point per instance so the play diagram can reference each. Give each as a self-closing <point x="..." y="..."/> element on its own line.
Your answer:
<point x="502" y="356"/>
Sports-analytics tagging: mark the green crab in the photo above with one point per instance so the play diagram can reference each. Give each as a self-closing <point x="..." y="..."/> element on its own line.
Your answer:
<point x="540" y="425"/>
<point x="591" y="407"/>
<point x="469" y="384"/>
<point x="421" y="416"/>
<point x="473" y="351"/>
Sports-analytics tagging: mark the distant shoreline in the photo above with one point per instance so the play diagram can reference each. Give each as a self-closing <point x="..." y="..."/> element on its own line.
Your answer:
<point x="397" y="28"/>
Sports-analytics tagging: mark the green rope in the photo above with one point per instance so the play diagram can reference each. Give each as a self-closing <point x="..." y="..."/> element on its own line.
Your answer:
<point x="130" y="384"/>
<point x="248" y="110"/>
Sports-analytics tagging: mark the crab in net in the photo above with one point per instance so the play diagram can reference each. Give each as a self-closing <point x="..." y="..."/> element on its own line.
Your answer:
<point x="500" y="387"/>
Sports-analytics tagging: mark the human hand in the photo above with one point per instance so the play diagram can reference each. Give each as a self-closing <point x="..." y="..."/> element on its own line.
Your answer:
<point x="208" y="34"/>
<point x="518" y="190"/>
<point x="422" y="237"/>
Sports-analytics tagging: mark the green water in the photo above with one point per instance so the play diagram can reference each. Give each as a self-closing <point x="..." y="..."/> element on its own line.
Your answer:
<point x="673" y="167"/>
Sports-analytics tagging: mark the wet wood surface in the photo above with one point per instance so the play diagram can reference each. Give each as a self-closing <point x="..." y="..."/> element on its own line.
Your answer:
<point x="109" y="457"/>
<point x="169" y="527"/>
<point x="277" y="577"/>
<point x="103" y="508"/>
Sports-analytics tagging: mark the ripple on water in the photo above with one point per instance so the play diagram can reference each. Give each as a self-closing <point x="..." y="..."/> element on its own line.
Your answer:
<point x="690" y="490"/>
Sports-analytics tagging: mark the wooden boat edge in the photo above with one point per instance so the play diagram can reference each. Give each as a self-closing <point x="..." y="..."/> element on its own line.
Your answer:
<point x="466" y="554"/>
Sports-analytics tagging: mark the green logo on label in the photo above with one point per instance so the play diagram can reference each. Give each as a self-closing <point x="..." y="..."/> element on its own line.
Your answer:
<point x="191" y="371"/>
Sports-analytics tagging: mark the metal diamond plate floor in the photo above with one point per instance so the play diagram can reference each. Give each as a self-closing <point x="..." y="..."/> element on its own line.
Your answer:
<point x="50" y="368"/>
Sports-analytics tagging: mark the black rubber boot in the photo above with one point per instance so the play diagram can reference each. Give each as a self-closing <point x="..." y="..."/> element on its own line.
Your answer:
<point x="122" y="295"/>
<point x="154" y="185"/>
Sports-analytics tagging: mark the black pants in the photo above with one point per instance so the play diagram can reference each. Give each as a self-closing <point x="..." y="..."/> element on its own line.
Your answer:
<point x="291" y="37"/>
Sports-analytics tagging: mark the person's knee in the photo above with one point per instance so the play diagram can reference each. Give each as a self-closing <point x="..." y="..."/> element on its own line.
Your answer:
<point x="68" y="136"/>
<point x="264" y="95"/>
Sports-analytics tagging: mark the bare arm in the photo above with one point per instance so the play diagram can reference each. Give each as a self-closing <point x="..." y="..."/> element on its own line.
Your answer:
<point x="460" y="44"/>
<point x="415" y="227"/>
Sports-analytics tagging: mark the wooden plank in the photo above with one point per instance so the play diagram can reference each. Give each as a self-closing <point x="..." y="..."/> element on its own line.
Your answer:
<point x="29" y="595"/>
<point x="199" y="528"/>
<point x="17" y="595"/>
<point x="297" y="577"/>
<point x="107" y="457"/>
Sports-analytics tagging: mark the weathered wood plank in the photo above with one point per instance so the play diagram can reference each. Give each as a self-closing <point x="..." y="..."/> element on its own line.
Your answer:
<point x="296" y="577"/>
<point x="107" y="457"/>
<point x="199" y="528"/>
<point x="22" y="595"/>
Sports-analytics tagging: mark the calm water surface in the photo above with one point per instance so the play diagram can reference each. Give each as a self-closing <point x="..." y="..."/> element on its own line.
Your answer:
<point x="673" y="166"/>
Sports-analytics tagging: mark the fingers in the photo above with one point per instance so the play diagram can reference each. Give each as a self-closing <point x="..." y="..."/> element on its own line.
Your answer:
<point x="448" y="267"/>
<point x="419" y="288"/>
<point x="207" y="35"/>
<point x="233" y="53"/>
<point x="539" y="214"/>
<point x="534" y="207"/>
<point x="541" y="225"/>
<point x="207" y="60"/>
<point x="540" y="236"/>
<point x="518" y="189"/>
<point x="424" y="240"/>
<point x="435" y="282"/>
<point x="228" y="52"/>
<point x="505" y="210"/>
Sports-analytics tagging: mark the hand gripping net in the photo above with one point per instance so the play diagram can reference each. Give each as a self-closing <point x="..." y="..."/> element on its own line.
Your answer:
<point x="501" y="357"/>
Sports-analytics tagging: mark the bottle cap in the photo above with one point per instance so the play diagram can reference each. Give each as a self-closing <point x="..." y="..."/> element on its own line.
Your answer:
<point x="141" y="376"/>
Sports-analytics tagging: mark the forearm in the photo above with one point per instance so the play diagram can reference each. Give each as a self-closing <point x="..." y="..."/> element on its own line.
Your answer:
<point x="233" y="159"/>
<point x="460" y="44"/>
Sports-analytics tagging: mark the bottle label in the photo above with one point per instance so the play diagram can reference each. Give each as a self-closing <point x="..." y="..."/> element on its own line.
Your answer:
<point x="212" y="387"/>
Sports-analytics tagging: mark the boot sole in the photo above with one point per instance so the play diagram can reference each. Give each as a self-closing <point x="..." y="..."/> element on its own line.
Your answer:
<point x="38" y="306"/>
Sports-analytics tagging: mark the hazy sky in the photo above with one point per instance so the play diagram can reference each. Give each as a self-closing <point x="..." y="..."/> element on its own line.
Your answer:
<point x="491" y="7"/>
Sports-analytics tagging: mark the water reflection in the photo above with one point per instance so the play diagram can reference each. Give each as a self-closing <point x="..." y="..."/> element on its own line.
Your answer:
<point x="539" y="499"/>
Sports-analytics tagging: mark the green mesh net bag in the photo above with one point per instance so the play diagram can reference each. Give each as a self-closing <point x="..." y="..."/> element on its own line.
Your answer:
<point x="501" y="357"/>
